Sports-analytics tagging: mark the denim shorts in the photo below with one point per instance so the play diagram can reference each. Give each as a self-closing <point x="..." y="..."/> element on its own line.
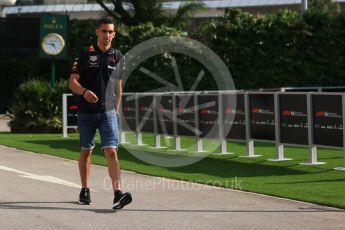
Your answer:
<point x="106" y="123"/>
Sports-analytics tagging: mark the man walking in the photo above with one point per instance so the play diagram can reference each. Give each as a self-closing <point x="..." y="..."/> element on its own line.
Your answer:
<point x="91" y="75"/>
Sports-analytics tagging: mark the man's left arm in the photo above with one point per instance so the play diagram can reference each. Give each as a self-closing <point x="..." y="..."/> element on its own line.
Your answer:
<point x="118" y="96"/>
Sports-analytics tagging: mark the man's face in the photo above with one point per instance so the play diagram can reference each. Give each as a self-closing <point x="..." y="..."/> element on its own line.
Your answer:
<point x="105" y="34"/>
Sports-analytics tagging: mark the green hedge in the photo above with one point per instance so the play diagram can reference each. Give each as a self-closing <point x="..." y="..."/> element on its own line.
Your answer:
<point x="37" y="107"/>
<point x="279" y="50"/>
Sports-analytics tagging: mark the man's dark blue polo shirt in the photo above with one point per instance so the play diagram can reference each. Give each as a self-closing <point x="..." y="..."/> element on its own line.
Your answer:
<point x="95" y="68"/>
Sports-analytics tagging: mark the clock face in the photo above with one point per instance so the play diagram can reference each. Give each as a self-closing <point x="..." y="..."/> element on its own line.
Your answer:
<point x="53" y="44"/>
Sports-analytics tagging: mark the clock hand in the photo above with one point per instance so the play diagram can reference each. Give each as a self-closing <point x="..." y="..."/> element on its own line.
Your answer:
<point x="52" y="44"/>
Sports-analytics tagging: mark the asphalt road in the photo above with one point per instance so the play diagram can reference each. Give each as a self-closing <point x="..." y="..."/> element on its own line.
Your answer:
<point x="41" y="192"/>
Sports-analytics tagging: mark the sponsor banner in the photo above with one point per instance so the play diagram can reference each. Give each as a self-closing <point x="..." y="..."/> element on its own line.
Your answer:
<point x="72" y="110"/>
<point x="262" y="121"/>
<point x="208" y="116"/>
<point x="185" y="115"/>
<point x="234" y="118"/>
<point x="146" y="113"/>
<point x="165" y="114"/>
<point x="327" y="120"/>
<point x="293" y="119"/>
<point x="129" y="112"/>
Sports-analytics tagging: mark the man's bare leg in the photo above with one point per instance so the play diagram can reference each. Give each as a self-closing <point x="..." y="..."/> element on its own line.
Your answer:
<point x="84" y="167"/>
<point x="84" y="170"/>
<point x="120" y="199"/>
<point x="113" y="167"/>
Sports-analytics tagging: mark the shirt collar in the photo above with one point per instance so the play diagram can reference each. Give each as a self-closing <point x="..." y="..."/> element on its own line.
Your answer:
<point x="111" y="50"/>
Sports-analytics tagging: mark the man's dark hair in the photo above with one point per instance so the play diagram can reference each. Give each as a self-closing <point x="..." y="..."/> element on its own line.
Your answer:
<point x="105" y="21"/>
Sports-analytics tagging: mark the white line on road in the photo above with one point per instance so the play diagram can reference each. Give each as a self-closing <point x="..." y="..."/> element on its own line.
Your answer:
<point x="50" y="179"/>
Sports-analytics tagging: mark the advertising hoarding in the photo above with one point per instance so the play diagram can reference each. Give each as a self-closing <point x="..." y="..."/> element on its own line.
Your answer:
<point x="234" y="118"/>
<point x="129" y="112"/>
<point x="146" y="111"/>
<point x="185" y="115"/>
<point x="293" y="119"/>
<point x="165" y="108"/>
<point x="208" y="116"/>
<point x="72" y="109"/>
<point x="327" y="120"/>
<point x="262" y="121"/>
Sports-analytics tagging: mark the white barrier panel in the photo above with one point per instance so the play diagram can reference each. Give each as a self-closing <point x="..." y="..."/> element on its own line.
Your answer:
<point x="291" y="118"/>
<point x="69" y="113"/>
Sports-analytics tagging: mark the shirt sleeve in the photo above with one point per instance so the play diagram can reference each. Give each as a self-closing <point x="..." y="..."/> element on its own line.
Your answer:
<point x="120" y="65"/>
<point x="77" y="64"/>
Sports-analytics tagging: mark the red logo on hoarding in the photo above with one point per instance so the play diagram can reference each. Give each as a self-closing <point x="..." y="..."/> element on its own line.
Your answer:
<point x="287" y="113"/>
<point x="321" y="114"/>
<point x="73" y="107"/>
<point x="256" y="110"/>
<point x="229" y="110"/>
<point x="205" y="111"/>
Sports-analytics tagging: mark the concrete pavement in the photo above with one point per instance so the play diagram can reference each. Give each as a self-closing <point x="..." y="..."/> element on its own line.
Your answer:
<point x="41" y="192"/>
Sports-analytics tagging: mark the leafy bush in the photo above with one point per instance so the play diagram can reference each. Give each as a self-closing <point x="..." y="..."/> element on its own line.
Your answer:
<point x="37" y="107"/>
<point x="278" y="50"/>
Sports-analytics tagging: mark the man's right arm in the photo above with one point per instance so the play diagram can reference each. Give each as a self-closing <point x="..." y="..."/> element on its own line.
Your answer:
<point x="75" y="86"/>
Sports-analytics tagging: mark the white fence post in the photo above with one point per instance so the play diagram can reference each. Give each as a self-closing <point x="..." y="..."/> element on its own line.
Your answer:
<point x="249" y="141"/>
<point x="222" y="139"/>
<point x="64" y="115"/>
<point x="311" y="146"/>
<point x="343" y="114"/>
<point x="279" y="145"/>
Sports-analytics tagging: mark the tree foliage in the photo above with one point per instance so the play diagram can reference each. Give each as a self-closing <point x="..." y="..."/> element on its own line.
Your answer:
<point x="284" y="49"/>
<point x="324" y="6"/>
<point x="135" y="12"/>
